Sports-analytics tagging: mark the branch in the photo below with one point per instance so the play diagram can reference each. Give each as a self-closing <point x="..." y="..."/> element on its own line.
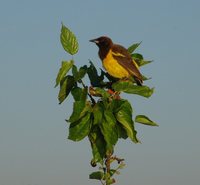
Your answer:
<point x="91" y="98"/>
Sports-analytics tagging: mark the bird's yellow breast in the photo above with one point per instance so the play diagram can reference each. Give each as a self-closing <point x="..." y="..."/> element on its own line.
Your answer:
<point x="113" y="67"/>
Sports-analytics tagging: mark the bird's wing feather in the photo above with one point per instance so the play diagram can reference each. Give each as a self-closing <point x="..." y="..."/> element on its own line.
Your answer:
<point x="124" y="59"/>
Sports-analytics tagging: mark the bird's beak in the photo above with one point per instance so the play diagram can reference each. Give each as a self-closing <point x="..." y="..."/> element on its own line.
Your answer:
<point x="94" y="40"/>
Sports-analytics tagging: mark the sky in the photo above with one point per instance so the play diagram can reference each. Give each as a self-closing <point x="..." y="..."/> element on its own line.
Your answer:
<point x="34" y="149"/>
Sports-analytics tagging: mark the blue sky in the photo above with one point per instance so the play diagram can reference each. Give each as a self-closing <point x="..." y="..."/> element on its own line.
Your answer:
<point x="34" y="149"/>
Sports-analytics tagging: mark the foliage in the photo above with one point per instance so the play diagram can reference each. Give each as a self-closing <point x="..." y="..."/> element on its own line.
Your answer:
<point x="99" y="112"/>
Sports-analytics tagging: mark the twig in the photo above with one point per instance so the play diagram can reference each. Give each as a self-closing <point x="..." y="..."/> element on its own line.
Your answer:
<point x="91" y="98"/>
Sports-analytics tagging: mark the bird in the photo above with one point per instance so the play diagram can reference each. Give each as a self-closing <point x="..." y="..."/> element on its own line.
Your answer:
<point x="116" y="60"/>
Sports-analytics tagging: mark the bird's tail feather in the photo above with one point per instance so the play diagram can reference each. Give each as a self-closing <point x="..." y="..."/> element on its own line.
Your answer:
<point x="138" y="81"/>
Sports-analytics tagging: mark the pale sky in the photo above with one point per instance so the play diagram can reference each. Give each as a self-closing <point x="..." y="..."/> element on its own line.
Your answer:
<point x="34" y="149"/>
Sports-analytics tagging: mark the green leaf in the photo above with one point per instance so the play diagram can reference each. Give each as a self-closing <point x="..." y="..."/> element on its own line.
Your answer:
<point x="81" y="73"/>
<point x="97" y="113"/>
<point x="116" y="104"/>
<point x="66" y="86"/>
<point x="68" y="40"/>
<point x="144" y="62"/>
<point x="65" y="67"/>
<point x="95" y="79"/>
<point x="121" y="131"/>
<point x="124" y="116"/>
<point x="133" y="47"/>
<point x="137" y="56"/>
<point x="74" y="71"/>
<point x="98" y="144"/>
<point x="145" y="120"/>
<point x="80" y="129"/>
<point x="79" y="94"/>
<point x="129" y="87"/>
<point x="80" y="108"/>
<point x="97" y="175"/>
<point x="144" y="78"/>
<point x="109" y="130"/>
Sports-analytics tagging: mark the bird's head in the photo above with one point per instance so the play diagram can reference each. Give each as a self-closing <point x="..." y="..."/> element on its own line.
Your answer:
<point x="102" y="42"/>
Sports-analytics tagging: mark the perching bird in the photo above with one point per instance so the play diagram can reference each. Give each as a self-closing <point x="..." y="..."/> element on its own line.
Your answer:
<point x="116" y="60"/>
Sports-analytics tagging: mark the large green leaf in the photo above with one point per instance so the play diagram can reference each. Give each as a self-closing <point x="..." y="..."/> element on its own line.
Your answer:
<point x="145" y="120"/>
<point x="97" y="113"/>
<point x="97" y="175"/>
<point x="65" y="67"/>
<point x="98" y="144"/>
<point x="116" y="104"/>
<point x="80" y="108"/>
<point x="124" y="116"/>
<point x="95" y="79"/>
<point x="79" y="94"/>
<point x="109" y="130"/>
<point x="133" y="47"/>
<point x="68" y="40"/>
<point x="80" y="129"/>
<point x="66" y="86"/>
<point x="129" y="87"/>
<point x="121" y="131"/>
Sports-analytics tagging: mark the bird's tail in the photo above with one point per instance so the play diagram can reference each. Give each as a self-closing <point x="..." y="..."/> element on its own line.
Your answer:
<point x="138" y="81"/>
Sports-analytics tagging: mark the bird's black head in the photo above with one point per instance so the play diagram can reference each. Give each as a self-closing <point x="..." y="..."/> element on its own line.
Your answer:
<point x="102" y="42"/>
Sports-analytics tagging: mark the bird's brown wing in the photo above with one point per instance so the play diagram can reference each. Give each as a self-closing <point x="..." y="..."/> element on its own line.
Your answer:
<point x="124" y="59"/>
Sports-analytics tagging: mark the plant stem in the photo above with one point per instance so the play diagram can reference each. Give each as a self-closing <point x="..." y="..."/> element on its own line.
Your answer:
<point x="107" y="163"/>
<point x="91" y="98"/>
